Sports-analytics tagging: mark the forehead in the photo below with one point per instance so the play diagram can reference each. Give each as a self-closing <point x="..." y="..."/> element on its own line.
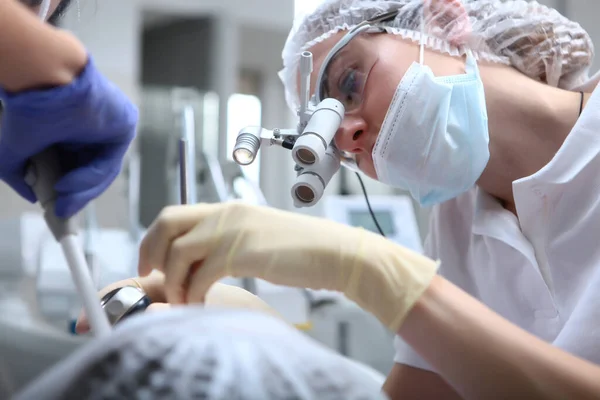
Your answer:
<point x="319" y="52"/>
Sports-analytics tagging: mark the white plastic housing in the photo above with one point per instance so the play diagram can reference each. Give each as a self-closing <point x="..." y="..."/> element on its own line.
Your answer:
<point x="247" y="144"/>
<point x="319" y="132"/>
<point x="312" y="181"/>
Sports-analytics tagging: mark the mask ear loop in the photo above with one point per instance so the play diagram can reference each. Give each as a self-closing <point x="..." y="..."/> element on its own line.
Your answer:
<point x="471" y="63"/>
<point x="422" y="38"/>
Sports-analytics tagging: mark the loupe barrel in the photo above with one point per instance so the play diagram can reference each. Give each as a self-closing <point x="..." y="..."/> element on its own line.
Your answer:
<point x="311" y="146"/>
<point x="312" y="181"/>
<point x="247" y="145"/>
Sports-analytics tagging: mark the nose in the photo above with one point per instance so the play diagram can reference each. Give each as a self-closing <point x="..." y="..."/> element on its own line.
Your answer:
<point x="352" y="135"/>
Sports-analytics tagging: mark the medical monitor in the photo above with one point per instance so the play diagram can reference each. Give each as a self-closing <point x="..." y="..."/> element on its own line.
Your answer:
<point x="395" y="215"/>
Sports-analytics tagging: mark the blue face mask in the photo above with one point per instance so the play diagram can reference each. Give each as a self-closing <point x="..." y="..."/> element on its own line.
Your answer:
<point x="434" y="138"/>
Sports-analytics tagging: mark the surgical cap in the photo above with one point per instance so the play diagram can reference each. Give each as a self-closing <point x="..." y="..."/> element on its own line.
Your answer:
<point x="196" y="353"/>
<point x="535" y="39"/>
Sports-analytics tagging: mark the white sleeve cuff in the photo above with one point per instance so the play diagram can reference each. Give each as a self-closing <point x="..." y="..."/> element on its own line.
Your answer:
<point x="407" y="356"/>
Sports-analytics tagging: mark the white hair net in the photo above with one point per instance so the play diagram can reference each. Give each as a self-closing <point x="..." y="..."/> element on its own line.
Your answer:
<point x="195" y="353"/>
<point x="535" y="39"/>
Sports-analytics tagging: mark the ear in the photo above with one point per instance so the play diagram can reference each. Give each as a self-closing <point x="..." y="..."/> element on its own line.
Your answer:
<point x="449" y="20"/>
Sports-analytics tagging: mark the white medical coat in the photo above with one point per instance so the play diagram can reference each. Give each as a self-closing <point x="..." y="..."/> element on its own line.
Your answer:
<point x="541" y="271"/>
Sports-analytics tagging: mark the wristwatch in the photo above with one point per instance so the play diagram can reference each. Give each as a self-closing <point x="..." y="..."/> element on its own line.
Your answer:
<point x="124" y="302"/>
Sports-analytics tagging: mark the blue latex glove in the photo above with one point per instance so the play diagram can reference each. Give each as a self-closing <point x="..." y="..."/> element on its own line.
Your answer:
<point x="91" y="124"/>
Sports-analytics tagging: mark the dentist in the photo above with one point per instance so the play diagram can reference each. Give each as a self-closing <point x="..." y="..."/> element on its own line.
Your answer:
<point x="483" y="110"/>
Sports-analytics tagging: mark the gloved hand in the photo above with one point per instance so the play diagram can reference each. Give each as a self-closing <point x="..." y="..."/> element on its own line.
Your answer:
<point x="197" y="245"/>
<point x="219" y="295"/>
<point x="90" y="122"/>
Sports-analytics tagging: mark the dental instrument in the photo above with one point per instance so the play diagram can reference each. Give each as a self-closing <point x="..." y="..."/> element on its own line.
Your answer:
<point x="183" y="171"/>
<point x="42" y="174"/>
<point x="313" y="150"/>
<point x="187" y="159"/>
<point x="311" y="143"/>
<point x="126" y="301"/>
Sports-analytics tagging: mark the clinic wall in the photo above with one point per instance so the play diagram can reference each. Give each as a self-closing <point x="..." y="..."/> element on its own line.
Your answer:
<point x="256" y="13"/>
<point x="176" y="53"/>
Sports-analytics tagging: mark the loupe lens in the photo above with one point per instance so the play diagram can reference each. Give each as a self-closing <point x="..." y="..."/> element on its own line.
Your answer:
<point x="305" y="194"/>
<point x="243" y="156"/>
<point x="311" y="147"/>
<point x="306" y="156"/>
<point x="247" y="144"/>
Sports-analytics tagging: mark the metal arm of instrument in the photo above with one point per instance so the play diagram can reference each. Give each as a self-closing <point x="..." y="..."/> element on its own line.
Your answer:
<point x="187" y="159"/>
<point x="311" y="143"/>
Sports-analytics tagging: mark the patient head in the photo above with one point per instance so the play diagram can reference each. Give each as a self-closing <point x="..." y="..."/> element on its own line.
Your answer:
<point x="190" y="352"/>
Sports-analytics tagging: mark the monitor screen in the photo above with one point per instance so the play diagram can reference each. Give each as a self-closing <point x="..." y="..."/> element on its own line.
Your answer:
<point x="363" y="219"/>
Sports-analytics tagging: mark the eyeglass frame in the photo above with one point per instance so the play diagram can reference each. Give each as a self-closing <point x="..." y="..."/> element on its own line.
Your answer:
<point x="367" y="25"/>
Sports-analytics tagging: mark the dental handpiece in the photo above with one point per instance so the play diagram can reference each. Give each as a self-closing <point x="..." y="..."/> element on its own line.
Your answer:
<point x="42" y="174"/>
<point x="124" y="302"/>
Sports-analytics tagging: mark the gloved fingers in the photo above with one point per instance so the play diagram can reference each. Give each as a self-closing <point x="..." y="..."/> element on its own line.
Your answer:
<point x="202" y="279"/>
<point x="172" y="222"/>
<point x="155" y="307"/>
<point x="185" y="253"/>
<point x="69" y="204"/>
<point x="88" y="172"/>
<point x="17" y="183"/>
<point x="82" y="325"/>
<point x="12" y="171"/>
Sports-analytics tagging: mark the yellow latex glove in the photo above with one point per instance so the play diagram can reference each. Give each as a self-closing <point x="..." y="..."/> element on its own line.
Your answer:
<point x="219" y="295"/>
<point x="196" y="245"/>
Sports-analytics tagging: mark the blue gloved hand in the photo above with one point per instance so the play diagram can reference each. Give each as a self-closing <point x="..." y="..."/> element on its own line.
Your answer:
<point x="90" y="122"/>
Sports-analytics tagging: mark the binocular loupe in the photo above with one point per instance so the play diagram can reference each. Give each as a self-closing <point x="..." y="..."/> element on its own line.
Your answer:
<point x="317" y="160"/>
<point x="312" y="181"/>
<point x="311" y="146"/>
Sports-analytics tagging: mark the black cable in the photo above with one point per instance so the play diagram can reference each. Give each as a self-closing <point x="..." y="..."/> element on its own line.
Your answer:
<point x="344" y="190"/>
<point x="364" y="190"/>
